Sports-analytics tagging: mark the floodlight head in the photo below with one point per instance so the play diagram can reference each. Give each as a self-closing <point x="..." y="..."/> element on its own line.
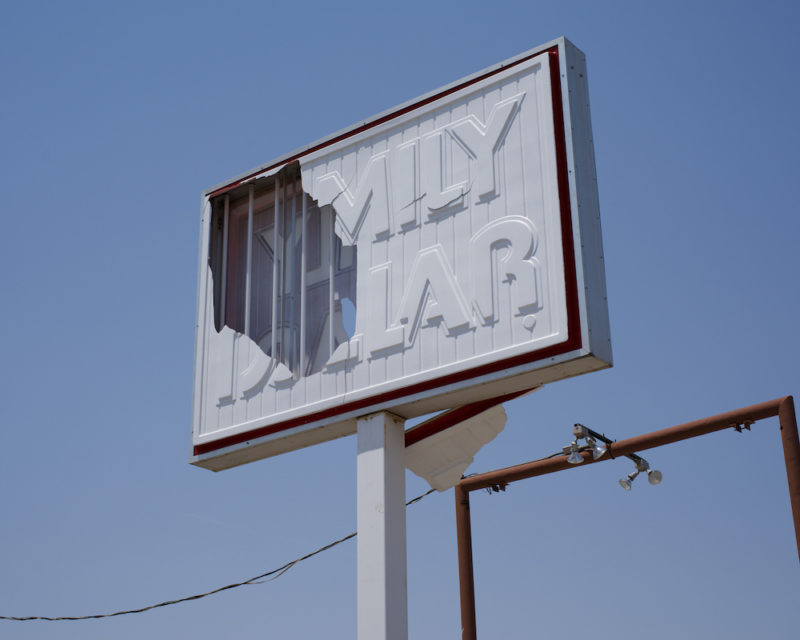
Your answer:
<point x="627" y="483"/>
<point x="598" y="450"/>
<point x="579" y="431"/>
<point x="575" y="456"/>
<point x="654" y="476"/>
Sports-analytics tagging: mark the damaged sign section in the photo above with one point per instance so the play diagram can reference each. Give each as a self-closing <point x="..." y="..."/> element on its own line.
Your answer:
<point x="281" y="276"/>
<point x="441" y="253"/>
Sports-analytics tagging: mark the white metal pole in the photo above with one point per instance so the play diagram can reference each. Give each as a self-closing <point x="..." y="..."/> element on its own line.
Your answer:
<point x="290" y="260"/>
<point x="331" y="280"/>
<point x="248" y="275"/>
<point x="303" y="263"/>
<point x="284" y="291"/>
<point x="224" y="284"/>
<point x="381" y="542"/>
<point x="275" y="283"/>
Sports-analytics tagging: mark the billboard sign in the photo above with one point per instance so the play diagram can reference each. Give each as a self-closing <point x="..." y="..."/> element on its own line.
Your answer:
<point x="444" y="252"/>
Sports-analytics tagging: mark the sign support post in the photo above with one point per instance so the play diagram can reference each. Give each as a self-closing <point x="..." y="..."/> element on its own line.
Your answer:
<point x="381" y="516"/>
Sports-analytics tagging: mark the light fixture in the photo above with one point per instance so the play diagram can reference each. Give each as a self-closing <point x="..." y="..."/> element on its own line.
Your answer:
<point x="653" y="475"/>
<point x="575" y="456"/>
<point x="626" y="483"/>
<point x="598" y="451"/>
<point x="581" y="432"/>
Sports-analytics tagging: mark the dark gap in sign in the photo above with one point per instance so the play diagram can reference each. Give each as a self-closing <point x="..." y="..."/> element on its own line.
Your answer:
<point x="280" y="272"/>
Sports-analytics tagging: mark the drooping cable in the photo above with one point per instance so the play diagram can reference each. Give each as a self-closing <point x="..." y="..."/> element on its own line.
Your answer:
<point x="259" y="579"/>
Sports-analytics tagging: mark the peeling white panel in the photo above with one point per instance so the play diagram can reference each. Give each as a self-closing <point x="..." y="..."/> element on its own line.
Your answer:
<point x="443" y="227"/>
<point x="441" y="459"/>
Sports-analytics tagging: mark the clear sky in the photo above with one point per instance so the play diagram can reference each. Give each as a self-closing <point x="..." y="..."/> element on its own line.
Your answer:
<point x="115" y="117"/>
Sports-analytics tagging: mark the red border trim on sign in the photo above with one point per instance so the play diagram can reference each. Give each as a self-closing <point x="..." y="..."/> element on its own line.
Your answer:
<point x="452" y="417"/>
<point x="573" y="340"/>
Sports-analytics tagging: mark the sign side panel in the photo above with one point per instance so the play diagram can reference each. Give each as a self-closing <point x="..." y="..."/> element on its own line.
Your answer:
<point x="590" y="259"/>
<point x="200" y="349"/>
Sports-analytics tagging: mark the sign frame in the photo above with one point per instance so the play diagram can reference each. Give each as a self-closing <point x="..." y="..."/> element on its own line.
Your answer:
<point x="586" y="348"/>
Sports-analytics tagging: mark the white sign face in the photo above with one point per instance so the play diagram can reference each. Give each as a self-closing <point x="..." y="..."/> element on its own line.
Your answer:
<point x="440" y="254"/>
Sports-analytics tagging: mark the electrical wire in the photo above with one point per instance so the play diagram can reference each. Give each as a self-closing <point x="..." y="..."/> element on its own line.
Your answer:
<point x="268" y="576"/>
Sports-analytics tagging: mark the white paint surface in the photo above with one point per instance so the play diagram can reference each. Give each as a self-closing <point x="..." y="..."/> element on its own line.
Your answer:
<point x="381" y="513"/>
<point x="449" y="242"/>
<point x="442" y="458"/>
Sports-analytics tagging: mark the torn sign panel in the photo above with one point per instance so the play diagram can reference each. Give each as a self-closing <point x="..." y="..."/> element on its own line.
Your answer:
<point x="276" y="265"/>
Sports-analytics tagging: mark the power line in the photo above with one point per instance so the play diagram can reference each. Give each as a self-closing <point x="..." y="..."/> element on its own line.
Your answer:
<point x="274" y="574"/>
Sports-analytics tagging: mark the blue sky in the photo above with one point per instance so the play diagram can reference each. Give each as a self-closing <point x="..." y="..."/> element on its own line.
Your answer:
<point x="115" y="117"/>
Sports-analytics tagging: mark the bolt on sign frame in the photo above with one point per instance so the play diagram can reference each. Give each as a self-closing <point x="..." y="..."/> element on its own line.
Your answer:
<point x="444" y="252"/>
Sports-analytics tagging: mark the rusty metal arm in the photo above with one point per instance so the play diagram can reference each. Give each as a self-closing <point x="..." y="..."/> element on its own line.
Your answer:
<point x="782" y="407"/>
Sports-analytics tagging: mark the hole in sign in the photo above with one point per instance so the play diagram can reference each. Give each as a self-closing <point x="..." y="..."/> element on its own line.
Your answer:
<point x="281" y="274"/>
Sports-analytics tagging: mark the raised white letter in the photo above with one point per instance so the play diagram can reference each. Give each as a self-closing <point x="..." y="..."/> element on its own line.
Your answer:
<point x="371" y="196"/>
<point x="516" y="266"/>
<point x="431" y="276"/>
<point x="437" y="195"/>
<point x="483" y="141"/>
<point x="381" y="337"/>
